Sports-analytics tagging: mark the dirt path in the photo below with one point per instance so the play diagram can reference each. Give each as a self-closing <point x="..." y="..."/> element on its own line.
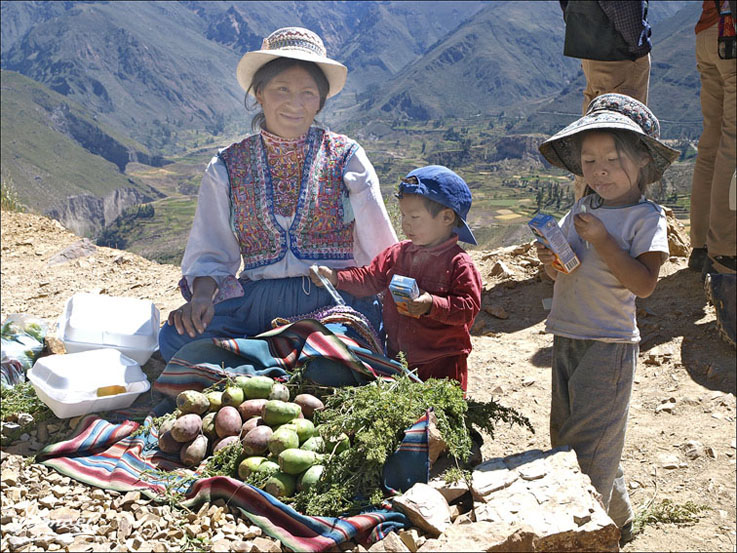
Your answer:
<point x="684" y="389"/>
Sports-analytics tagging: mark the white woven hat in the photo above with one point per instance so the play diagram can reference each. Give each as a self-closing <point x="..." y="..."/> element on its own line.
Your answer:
<point x="296" y="43"/>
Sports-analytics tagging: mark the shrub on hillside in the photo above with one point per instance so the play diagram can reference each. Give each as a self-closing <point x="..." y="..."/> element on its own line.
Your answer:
<point x="9" y="197"/>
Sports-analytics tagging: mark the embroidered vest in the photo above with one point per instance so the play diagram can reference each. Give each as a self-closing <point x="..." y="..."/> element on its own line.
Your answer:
<point x="323" y="223"/>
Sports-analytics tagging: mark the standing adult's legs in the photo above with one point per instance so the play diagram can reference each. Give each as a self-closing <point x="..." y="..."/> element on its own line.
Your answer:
<point x="622" y="77"/>
<point x="721" y="240"/>
<point x="712" y="102"/>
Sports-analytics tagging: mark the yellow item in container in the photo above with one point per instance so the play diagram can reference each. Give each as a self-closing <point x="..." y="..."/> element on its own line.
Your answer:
<point x="69" y="383"/>
<point x="110" y="390"/>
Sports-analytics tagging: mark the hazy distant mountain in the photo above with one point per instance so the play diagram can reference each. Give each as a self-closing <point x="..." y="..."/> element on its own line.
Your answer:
<point x="147" y="66"/>
<point x="153" y="68"/>
<point x="53" y="149"/>
<point x="374" y="39"/>
<point x="139" y="66"/>
<point x="509" y="53"/>
<point x="674" y="79"/>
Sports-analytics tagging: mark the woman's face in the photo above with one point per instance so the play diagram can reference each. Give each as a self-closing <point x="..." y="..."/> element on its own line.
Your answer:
<point x="290" y="102"/>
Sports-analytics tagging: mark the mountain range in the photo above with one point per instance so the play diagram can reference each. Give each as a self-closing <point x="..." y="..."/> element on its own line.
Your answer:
<point x="89" y="86"/>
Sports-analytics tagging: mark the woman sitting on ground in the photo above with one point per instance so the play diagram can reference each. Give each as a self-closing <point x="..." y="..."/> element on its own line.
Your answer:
<point x="287" y="197"/>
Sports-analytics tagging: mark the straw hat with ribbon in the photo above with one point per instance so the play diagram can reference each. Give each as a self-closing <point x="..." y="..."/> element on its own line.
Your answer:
<point x="296" y="43"/>
<point x="605" y="112"/>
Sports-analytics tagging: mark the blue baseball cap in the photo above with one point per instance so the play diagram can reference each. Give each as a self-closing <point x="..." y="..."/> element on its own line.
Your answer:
<point x="442" y="185"/>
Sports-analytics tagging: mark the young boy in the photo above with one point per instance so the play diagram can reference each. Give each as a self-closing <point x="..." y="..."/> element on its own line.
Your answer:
<point x="433" y="332"/>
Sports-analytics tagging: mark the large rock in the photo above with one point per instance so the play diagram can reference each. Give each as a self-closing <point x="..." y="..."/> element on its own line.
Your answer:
<point x="533" y="501"/>
<point x="425" y="507"/>
<point x="678" y="240"/>
<point x="392" y="543"/>
<point x="436" y="444"/>
<point x="450" y="491"/>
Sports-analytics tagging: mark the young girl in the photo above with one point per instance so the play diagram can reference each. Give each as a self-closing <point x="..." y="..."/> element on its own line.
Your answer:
<point x="621" y="240"/>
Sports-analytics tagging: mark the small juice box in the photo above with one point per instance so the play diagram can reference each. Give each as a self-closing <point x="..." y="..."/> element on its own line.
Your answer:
<point x="403" y="289"/>
<point x="546" y="230"/>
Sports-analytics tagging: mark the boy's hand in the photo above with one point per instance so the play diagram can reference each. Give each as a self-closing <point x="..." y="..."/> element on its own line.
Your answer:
<point x="420" y="306"/>
<point x="590" y="228"/>
<point x="327" y="272"/>
<point x="545" y="255"/>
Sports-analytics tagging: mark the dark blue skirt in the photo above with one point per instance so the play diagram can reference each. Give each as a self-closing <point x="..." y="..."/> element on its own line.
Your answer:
<point x="262" y="302"/>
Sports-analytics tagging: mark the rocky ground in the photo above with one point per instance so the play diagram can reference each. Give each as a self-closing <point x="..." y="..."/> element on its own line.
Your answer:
<point x="681" y="435"/>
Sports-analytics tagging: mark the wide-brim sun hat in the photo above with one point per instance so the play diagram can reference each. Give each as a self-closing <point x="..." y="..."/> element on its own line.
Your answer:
<point x="611" y="111"/>
<point x="295" y="43"/>
<point x="445" y="187"/>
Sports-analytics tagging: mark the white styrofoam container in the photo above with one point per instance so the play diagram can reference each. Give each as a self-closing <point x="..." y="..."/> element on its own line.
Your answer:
<point x="93" y="321"/>
<point x="68" y="383"/>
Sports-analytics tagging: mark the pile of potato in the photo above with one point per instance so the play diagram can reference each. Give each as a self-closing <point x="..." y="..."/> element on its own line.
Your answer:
<point x="278" y="436"/>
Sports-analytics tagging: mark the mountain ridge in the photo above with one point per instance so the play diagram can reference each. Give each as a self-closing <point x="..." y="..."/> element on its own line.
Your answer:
<point x="161" y="74"/>
<point x="53" y="149"/>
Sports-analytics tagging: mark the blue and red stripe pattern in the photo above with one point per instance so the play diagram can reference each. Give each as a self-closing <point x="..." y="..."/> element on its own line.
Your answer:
<point x="411" y="462"/>
<point x="105" y="454"/>
<point x="275" y="353"/>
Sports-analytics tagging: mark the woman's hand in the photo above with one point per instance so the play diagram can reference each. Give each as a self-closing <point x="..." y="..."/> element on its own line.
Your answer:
<point x="590" y="228"/>
<point x="194" y="316"/>
<point x="327" y="272"/>
<point x="420" y="306"/>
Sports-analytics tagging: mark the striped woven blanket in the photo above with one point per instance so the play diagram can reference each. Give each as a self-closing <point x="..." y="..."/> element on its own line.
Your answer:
<point x="103" y="453"/>
<point x="330" y="357"/>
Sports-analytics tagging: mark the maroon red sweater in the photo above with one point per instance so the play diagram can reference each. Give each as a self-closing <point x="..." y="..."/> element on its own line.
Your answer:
<point x="445" y="271"/>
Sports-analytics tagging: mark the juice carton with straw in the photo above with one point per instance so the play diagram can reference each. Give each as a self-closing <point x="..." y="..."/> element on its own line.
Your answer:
<point x="547" y="232"/>
<point x="403" y="289"/>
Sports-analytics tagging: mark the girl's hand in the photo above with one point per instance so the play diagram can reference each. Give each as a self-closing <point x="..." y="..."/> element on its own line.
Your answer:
<point x="590" y="228"/>
<point x="193" y="317"/>
<point x="327" y="272"/>
<point x="545" y="255"/>
<point x="421" y="305"/>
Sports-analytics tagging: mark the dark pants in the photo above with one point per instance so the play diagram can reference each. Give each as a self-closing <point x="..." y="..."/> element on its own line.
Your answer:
<point x="454" y="367"/>
<point x="591" y="388"/>
<point x="262" y="302"/>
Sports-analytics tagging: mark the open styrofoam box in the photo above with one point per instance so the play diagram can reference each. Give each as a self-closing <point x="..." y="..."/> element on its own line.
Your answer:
<point x="93" y="321"/>
<point x="68" y="383"/>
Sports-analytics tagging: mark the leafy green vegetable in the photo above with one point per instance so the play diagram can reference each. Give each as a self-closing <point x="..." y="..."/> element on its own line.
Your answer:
<point x="22" y="398"/>
<point x="224" y="462"/>
<point x="375" y="416"/>
<point x="36" y="331"/>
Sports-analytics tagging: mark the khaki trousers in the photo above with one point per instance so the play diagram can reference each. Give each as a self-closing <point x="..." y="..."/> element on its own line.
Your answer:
<point x="623" y="77"/>
<point x="712" y="222"/>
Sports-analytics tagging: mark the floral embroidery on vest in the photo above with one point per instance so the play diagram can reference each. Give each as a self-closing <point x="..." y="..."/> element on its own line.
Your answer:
<point x="286" y="159"/>
<point x="319" y="230"/>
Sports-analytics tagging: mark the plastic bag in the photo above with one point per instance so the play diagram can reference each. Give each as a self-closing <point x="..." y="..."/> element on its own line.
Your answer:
<point x="22" y="342"/>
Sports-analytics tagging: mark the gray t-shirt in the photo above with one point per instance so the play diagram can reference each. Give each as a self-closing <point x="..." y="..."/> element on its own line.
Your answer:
<point x="591" y="303"/>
